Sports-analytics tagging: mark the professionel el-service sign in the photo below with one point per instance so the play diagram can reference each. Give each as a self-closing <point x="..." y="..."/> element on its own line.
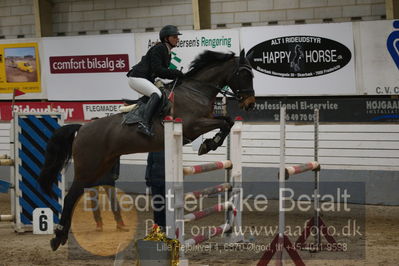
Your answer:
<point x="315" y="59"/>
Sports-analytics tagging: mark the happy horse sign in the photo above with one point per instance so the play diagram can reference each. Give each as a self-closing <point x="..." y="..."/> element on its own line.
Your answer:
<point x="301" y="59"/>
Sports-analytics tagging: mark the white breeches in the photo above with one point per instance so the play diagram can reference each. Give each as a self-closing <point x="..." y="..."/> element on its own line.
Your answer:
<point x="143" y="86"/>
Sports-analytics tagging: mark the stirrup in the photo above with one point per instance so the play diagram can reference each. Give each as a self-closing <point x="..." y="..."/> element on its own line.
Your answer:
<point x="143" y="128"/>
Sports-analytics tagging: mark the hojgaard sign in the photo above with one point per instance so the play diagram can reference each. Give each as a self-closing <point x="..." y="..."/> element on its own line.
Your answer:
<point x="299" y="56"/>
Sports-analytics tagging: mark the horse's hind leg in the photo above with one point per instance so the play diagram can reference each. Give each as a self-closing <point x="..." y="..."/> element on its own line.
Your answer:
<point x="61" y="232"/>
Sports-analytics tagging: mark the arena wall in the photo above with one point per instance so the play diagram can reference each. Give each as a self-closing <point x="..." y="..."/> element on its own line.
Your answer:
<point x="353" y="151"/>
<point x="81" y="17"/>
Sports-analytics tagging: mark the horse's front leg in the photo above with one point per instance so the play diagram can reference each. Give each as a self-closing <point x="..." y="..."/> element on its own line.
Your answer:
<point x="224" y="123"/>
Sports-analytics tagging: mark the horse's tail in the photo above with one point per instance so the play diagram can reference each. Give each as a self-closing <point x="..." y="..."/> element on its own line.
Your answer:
<point x="58" y="154"/>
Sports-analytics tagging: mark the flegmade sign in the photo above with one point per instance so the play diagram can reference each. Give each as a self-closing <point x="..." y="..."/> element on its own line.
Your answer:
<point x="299" y="56"/>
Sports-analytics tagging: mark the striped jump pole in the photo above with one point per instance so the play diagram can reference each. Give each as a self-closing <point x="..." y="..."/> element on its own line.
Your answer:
<point x="208" y="191"/>
<point x="208" y="211"/>
<point x="202" y="168"/>
<point x="301" y="168"/>
<point x="6" y="217"/>
<point x="5" y="160"/>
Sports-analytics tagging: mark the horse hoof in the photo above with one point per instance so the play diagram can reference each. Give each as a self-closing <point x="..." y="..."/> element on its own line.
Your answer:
<point x="203" y="149"/>
<point x="55" y="243"/>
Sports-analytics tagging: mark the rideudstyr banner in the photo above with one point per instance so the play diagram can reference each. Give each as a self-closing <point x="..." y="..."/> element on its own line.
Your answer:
<point x="73" y="111"/>
<point x="88" y="67"/>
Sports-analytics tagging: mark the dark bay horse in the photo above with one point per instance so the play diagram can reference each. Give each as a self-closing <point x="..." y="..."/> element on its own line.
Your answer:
<point x="98" y="144"/>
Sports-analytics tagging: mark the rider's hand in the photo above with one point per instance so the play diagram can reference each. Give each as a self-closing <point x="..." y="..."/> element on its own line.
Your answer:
<point x="178" y="73"/>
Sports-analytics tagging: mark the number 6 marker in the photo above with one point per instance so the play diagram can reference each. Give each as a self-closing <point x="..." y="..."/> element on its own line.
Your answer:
<point x="43" y="221"/>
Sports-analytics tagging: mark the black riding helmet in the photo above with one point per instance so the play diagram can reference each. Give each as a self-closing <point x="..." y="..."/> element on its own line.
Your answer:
<point x="168" y="30"/>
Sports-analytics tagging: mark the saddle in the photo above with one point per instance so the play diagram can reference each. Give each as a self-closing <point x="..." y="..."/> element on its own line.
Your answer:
<point x="135" y="115"/>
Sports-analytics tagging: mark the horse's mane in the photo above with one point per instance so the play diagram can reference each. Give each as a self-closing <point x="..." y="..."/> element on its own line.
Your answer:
<point x="205" y="59"/>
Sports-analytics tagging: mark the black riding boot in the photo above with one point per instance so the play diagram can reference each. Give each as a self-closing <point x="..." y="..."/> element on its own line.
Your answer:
<point x="151" y="107"/>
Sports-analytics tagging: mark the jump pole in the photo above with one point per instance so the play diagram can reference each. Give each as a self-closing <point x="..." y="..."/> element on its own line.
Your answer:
<point x="281" y="241"/>
<point x="174" y="170"/>
<point x="7" y="161"/>
<point x="316" y="221"/>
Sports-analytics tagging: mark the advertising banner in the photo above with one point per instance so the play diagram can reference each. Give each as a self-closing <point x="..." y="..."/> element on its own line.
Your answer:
<point x="73" y="111"/>
<point x="332" y="109"/>
<point x="19" y="69"/>
<point x="379" y="46"/>
<point x="314" y="59"/>
<point x="88" y="67"/>
<point x="191" y="44"/>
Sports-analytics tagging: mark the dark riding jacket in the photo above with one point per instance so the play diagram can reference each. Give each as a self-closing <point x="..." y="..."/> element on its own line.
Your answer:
<point x="155" y="64"/>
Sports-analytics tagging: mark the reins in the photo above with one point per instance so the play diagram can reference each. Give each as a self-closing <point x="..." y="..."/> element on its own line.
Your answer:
<point x="225" y="89"/>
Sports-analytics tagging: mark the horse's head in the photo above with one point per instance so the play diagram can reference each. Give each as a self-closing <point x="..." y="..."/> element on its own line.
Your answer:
<point x="241" y="82"/>
<point x="217" y="69"/>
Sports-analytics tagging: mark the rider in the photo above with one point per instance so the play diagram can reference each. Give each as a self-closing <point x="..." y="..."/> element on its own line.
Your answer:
<point x="154" y="64"/>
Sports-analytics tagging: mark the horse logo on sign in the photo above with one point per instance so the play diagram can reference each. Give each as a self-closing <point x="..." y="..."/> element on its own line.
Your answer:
<point x="393" y="43"/>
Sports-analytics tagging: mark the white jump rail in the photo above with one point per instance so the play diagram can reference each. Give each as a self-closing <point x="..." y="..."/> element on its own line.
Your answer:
<point x="175" y="172"/>
<point x="5" y="160"/>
